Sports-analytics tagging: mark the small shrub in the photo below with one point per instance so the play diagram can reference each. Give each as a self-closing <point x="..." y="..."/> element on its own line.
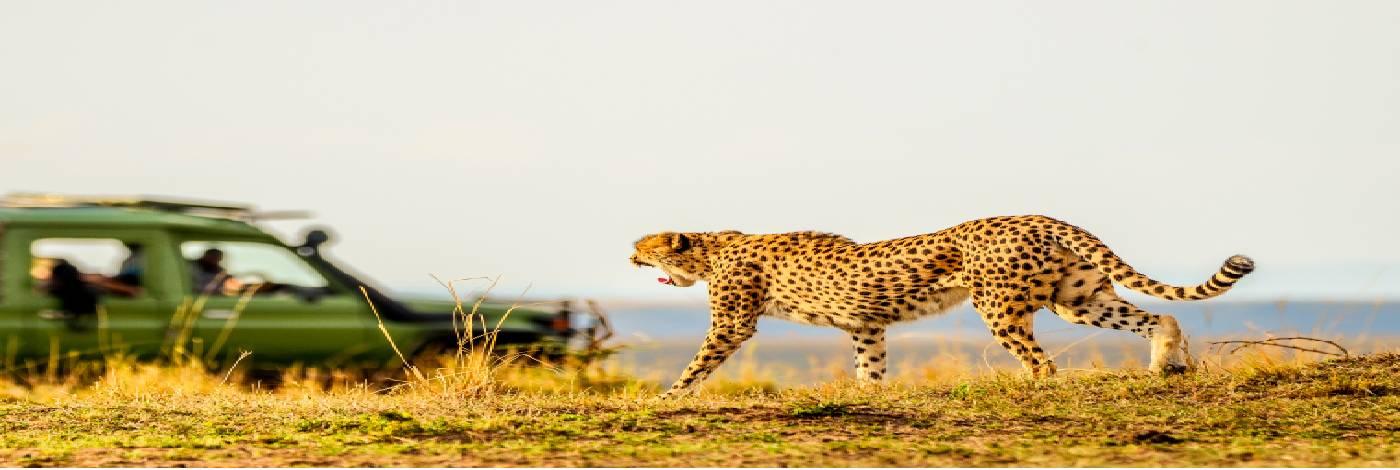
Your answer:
<point x="821" y="409"/>
<point x="962" y="391"/>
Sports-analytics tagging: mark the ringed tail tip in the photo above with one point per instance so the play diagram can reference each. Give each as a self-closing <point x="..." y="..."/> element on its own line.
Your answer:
<point x="1240" y="263"/>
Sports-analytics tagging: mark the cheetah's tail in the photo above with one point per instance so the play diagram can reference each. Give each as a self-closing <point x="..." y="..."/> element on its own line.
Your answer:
<point x="1090" y="248"/>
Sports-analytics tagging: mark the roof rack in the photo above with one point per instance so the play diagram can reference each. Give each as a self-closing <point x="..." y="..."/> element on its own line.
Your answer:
<point x="225" y="210"/>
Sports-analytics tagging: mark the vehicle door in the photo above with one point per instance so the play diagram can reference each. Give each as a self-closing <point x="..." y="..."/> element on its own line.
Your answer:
<point x="124" y="270"/>
<point x="269" y="302"/>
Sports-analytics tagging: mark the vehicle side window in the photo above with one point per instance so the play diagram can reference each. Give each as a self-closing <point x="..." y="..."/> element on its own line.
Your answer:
<point x="226" y="267"/>
<point x="102" y="265"/>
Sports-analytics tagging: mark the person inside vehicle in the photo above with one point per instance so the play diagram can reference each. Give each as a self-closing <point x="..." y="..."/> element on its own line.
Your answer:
<point x="130" y="271"/>
<point x="75" y="296"/>
<point x="210" y="278"/>
<point x="127" y="282"/>
<point x="207" y="273"/>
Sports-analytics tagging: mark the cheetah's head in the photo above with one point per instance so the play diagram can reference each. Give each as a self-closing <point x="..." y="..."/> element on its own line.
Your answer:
<point x="676" y="254"/>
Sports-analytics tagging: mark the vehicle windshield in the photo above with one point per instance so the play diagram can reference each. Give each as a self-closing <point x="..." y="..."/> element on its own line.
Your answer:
<point x="224" y="267"/>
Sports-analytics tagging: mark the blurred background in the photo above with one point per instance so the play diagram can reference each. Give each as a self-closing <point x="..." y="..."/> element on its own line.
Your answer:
<point x="536" y="141"/>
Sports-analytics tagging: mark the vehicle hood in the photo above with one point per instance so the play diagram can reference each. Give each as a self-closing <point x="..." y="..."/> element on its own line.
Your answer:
<point x="489" y="309"/>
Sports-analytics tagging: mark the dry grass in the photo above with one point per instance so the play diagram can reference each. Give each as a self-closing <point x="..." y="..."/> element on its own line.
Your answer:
<point x="470" y="408"/>
<point x="1266" y="410"/>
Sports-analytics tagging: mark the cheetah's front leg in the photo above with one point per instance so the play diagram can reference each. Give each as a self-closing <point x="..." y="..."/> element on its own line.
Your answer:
<point x="869" y="345"/>
<point x="721" y="341"/>
<point x="734" y="301"/>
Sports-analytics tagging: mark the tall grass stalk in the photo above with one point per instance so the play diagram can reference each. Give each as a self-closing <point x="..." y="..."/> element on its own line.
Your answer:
<point x="474" y="367"/>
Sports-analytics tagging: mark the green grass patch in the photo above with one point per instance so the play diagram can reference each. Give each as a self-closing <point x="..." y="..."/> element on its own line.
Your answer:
<point x="1334" y="413"/>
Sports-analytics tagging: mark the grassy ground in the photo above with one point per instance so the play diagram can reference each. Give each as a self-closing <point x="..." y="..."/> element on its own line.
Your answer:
<point x="1341" y="412"/>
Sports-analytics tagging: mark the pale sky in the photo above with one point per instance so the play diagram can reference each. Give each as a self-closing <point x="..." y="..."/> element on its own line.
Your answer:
<point x="537" y="140"/>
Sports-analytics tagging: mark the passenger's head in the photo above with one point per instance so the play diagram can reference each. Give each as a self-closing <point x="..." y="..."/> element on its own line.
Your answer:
<point x="64" y="274"/>
<point x="211" y="259"/>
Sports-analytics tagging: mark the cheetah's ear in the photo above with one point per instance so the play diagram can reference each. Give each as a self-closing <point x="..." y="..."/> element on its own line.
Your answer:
<point x="680" y="242"/>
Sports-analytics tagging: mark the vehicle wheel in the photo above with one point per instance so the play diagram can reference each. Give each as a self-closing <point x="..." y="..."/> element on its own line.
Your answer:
<point x="267" y="379"/>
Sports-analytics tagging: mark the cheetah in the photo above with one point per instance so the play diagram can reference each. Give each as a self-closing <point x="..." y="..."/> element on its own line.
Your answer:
<point x="1009" y="267"/>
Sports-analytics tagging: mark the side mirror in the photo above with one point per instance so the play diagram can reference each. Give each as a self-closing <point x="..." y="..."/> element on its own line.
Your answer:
<point x="315" y="238"/>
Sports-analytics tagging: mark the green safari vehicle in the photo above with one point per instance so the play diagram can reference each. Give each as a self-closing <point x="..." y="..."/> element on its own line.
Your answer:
<point x="86" y="276"/>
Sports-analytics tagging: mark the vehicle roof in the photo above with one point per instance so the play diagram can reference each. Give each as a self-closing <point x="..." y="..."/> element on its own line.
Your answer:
<point x="123" y="217"/>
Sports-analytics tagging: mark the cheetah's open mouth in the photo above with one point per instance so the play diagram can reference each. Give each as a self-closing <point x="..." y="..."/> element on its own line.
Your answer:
<point x="666" y="280"/>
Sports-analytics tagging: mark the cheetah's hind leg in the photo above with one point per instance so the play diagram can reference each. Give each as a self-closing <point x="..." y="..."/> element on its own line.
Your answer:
<point x="1106" y="310"/>
<point x="1011" y="321"/>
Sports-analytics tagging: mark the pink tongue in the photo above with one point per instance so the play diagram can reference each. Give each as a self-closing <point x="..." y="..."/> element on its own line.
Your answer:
<point x="663" y="280"/>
